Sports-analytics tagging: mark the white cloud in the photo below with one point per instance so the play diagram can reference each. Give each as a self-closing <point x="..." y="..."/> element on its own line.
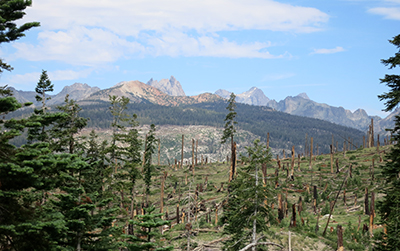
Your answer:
<point x="127" y="17"/>
<point x="328" y="51"/>
<point x="31" y="79"/>
<point x="388" y="12"/>
<point x="99" y="32"/>
<point x="176" y="44"/>
<point x="80" y="45"/>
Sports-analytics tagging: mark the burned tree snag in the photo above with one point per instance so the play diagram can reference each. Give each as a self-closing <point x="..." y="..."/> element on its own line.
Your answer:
<point x="159" y="151"/>
<point x="293" y="220"/>
<point x="340" y="238"/>
<point x="193" y="156"/>
<point x="183" y="138"/>
<point x="280" y="208"/>
<point x="311" y="152"/>
<point x="298" y="162"/>
<point x="197" y="144"/>
<point x="292" y="164"/>
<point x="331" y="158"/>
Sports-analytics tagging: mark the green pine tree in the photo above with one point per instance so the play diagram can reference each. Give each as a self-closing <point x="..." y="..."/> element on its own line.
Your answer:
<point x="147" y="234"/>
<point x="389" y="208"/>
<point x="63" y="133"/>
<point x="246" y="214"/>
<point x="11" y="11"/>
<point x="230" y="130"/>
<point x="43" y="86"/>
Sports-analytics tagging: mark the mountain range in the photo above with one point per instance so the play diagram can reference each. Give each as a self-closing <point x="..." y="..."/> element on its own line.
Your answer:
<point x="302" y="105"/>
<point x="169" y="92"/>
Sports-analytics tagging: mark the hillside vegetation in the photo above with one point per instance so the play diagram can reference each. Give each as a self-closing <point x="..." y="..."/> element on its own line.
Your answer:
<point x="285" y="130"/>
<point x="204" y="191"/>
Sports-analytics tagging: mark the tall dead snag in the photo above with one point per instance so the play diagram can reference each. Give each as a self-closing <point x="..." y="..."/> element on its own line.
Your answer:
<point x="197" y="144"/>
<point x="351" y="171"/>
<point x="337" y="165"/>
<point x="183" y="138"/>
<point x="372" y="213"/>
<point x="311" y="152"/>
<point x="315" y="199"/>
<point x="264" y="172"/>
<point x="331" y="158"/>
<point x="193" y="157"/>
<point x="344" y="149"/>
<point x="177" y="214"/>
<point x="159" y="151"/>
<point x="280" y="208"/>
<point x="366" y="202"/>
<point x="306" y="146"/>
<point x="298" y="162"/>
<point x="268" y="140"/>
<point x="300" y="205"/>
<point x="333" y="145"/>
<point x="344" y="197"/>
<point x="340" y="238"/>
<point x="292" y="164"/>
<point x="293" y="220"/>
<point x="234" y="160"/>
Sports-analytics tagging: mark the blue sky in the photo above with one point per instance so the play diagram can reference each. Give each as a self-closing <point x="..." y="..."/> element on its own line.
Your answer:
<point x="329" y="49"/>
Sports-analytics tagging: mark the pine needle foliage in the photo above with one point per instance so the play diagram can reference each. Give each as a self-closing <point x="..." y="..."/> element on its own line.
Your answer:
<point x="389" y="208"/>
<point x="247" y="212"/>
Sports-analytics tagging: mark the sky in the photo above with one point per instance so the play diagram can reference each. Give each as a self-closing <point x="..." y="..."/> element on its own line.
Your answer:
<point x="330" y="50"/>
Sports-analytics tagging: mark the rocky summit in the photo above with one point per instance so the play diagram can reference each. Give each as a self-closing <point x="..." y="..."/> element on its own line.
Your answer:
<point x="170" y="86"/>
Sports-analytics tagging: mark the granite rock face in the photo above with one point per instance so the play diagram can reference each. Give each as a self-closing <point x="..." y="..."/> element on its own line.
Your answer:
<point x="170" y="86"/>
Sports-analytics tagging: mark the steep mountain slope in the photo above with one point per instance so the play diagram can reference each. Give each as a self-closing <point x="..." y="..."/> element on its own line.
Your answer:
<point x="26" y="96"/>
<point x="302" y="105"/>
<point x="170" y="86"/>
<point x="253" y="96"/>
<point x="139" y="92"/>
<point x="76" y="92"/>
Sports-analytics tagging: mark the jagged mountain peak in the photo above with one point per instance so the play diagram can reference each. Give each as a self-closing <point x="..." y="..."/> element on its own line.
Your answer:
<point x="253" y="96"/>
<point x="170" y="86"/>
<point x="76" y="91"/>
<point x="303" y="95"/>
<point x="223" y="93"/>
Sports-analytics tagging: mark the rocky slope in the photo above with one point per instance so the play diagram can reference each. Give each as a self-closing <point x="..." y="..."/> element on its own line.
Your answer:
<point x="139" y="92"/>
<point x="254" y="96"/>
<point x="302" y="105"/>
<point x="76" y="92"/>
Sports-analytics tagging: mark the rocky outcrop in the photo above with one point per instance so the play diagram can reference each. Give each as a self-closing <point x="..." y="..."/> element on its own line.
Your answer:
<point x="170" y="86"/>
<point x="76" y="92"/>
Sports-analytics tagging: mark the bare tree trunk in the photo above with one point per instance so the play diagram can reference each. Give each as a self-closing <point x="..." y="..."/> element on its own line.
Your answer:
<point x="159" y="151"/>
<point x="311" y="152"/>
<point x="331" y="158"/>
<point x="183" y="138"/>
<point x="340" y="238"/>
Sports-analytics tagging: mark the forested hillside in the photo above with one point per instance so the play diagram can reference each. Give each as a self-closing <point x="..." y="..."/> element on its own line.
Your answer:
<point x="285" y="130"/>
